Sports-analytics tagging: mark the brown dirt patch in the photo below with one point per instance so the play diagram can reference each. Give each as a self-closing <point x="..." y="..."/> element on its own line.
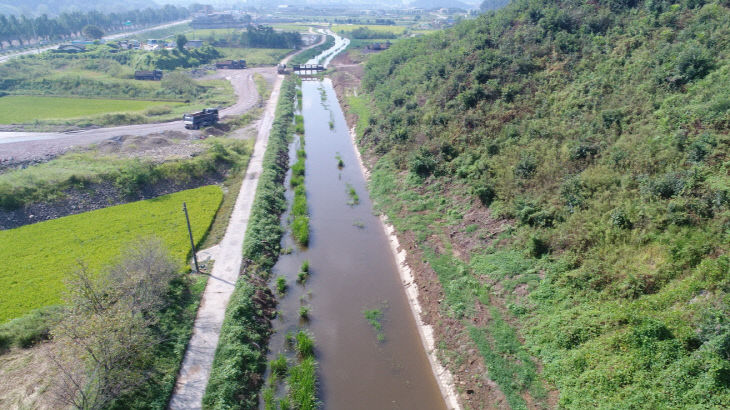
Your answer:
<point x="26" y="376"/>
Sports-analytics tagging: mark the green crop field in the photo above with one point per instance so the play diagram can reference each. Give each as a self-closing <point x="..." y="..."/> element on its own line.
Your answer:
<point x="24" y="109"/>
<point x="397" y="30"/>
<point x="36" y="258"/>
<point x="255" y="56"/>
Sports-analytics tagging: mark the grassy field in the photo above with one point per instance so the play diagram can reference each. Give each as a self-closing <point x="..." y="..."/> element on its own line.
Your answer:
<point x="37" y="257"/>
<point x="397" y="30"/>
<point x="24" y="109"/>
<point x="302" y="28"/>
<point x="164" y="33"/>
<point x="255" y="56"/>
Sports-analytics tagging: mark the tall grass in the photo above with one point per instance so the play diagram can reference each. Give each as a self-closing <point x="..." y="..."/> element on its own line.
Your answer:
<point x="303" y="385"/>
<point x="50" y="181"/>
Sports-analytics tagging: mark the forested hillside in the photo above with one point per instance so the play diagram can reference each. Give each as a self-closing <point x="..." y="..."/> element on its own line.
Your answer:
<point x="592" y="139"/>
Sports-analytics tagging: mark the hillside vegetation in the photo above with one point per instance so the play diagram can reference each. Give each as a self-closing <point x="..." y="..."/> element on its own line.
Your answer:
<point x="596" y="134"/>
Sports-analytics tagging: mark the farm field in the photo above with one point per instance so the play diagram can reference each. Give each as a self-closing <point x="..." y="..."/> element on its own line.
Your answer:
<point x="163" y="33"/>
<point x="24" y="109"/>
<point x="397" y="30"/>
<point x="255" y="56"/>
<point x="300" y="27"/>
<point x="34" y="270"/>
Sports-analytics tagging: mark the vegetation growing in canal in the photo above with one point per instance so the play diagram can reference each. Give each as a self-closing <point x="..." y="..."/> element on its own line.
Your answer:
<point x="304" y="312"/>
<point x="281" y="285"/>
<point x="304" y="344"/>
<point x="354" y="198"/>
<point x="597" y="139"/>
<point x="303" y="274"/>
<point x="375" y="318"/>
<point x="299" y="124"/>
<point x="303" y="384"/>
<point x="240" y="359"/>
<point x="340" y="162"/>
<point x="306" y="55"/>
<point x="300" y="209"/>
<point x="279" y="366"/>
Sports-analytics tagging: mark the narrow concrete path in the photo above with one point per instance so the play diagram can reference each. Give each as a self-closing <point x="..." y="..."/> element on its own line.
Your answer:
<point x="195" y="370"/>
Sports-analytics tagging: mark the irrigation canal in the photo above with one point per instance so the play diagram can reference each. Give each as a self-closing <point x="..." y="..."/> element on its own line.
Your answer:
<point x="352" y="270"/>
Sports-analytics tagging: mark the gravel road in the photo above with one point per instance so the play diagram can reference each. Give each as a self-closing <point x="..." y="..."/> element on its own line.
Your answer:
<point x="27" y="146"/>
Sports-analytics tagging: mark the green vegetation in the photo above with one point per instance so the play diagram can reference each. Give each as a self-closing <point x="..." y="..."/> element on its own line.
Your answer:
<point x="354" y="198"/>
<point x="382" y="30"/>
<point x="299" y="124"/>
<point x="279" y="365"/>
<point x="300" y="209"/>
<point x="105" y="72"/>
<point x="304" y="344"/>
<point x="596" y="135"/>
<point x="375" y="318"/>
<point x="28" y="329"/>
<point x="304" y="272"/>
<point x="302" y="382"/>
<point x="25" y="29"/>
<point x="231" y="188"/>
<point x="240" y="358"/>
<point x="255" y="56"/>
<point x="340" y="162"/>
<point x="364" y="33"/>
<point x="78" y="170"/>
<point x="130" y="321"/>
<point x="262" y="87"/>
<point x="281" y="285"/>
<point x="24" y="109"/>
<point x="304" y="312"/>
<point x="35" y="270"/>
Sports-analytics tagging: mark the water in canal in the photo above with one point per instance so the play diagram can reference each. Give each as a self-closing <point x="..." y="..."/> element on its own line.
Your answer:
<point x="352" y="270"/>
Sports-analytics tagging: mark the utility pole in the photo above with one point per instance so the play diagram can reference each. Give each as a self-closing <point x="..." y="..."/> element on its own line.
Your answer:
<point x="190" y="233"/>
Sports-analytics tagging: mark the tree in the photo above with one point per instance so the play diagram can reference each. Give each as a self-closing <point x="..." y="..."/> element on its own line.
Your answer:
<point x="93" y="32"/>
<point x="181" y="84"/>
<point x="181" y="40"/>
<point x="104" y="342"/>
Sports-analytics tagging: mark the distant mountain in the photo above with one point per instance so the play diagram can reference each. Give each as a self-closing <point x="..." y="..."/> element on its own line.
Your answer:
<point x="55" y="7"/>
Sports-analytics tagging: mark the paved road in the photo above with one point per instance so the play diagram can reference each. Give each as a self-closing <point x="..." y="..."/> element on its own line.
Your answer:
<point x="109" y="37"/>
<point x="24" y="146"/>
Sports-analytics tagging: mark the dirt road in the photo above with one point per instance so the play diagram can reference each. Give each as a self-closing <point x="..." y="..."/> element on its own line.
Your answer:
<point x="27" y="146"/>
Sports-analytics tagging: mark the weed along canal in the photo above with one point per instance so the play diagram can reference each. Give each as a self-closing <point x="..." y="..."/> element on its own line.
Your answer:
<point x="349" y="298"/>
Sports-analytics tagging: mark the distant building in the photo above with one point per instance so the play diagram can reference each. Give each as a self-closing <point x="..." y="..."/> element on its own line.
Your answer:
<point x="71" y="48"/>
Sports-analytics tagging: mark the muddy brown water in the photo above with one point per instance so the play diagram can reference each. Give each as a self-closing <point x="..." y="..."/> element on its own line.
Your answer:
<point x="352" y="269"/>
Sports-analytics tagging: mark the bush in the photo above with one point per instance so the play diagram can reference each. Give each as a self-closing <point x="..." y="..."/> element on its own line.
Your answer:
<point x="526" y="167"/>
<point x="422" y="163"/>
<point x="485" y="194"/>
